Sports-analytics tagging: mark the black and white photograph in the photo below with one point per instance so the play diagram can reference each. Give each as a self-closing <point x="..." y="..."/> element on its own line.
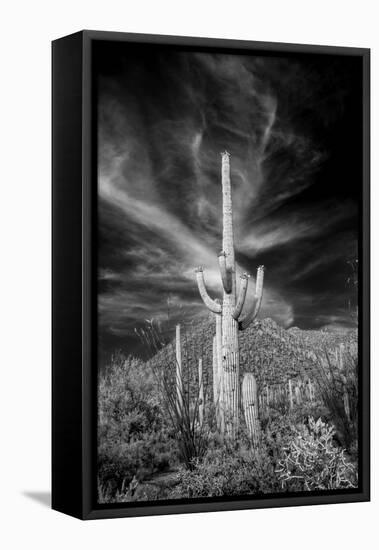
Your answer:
<point x="189" y="266"/>
<point x="228" y="269"/>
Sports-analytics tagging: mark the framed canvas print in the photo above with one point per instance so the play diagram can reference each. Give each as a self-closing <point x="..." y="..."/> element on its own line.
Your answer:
<point x="210" y="275"/>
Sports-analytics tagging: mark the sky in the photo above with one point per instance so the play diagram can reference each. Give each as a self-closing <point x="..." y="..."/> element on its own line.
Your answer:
<point x="292" y="126"/>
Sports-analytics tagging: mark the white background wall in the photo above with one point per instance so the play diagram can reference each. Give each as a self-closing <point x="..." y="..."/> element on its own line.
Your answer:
<point x="26" y="31"/>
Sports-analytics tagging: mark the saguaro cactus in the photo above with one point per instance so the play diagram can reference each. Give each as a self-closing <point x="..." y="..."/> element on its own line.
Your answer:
<point x="201" y="393"/>
<point x="250" y="406"/>
<point x="216" y="378"/>
<point x="229" y="311"/>
<point x="217" y="381"/>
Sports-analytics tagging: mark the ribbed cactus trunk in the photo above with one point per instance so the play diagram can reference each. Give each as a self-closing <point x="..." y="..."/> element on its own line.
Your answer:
<point x="220" y="410"/>
<point x="250" y="406"/>
<point x="230" y="372"/>
<point x="216" y="377"/>
<point x="201" y="393"/>
<point x="229" y="348"/>
<point x="217" y="374"/>
<point x="228" y="316"/>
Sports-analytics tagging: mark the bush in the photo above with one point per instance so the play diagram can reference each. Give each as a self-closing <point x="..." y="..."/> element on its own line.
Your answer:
<point x="133" y="439"/>
<point x="337" y="379"/>
<point x="223" y="473"/>
<point x="277" y="433"/>
<point x="313" y="462"/>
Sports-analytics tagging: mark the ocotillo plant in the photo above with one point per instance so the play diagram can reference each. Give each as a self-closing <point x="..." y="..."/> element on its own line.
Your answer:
<point x="339" y="353"/>
<point x="179" y="373"/>
<point x="250" y="406"/>
<point x="230" y="309"/>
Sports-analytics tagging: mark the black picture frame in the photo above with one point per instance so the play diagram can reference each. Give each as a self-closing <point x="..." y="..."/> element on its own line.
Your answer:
<point x="74" y="285"/>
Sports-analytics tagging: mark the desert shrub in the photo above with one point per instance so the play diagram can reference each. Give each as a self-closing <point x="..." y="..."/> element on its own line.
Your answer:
<point x="133" y="438"/>
<point x="296" y="416"/>
<point x="191" y="435"/>
<point x="278" y="431"/>
<point x="337" y="380"/>
<point x="301" y="412"/>
<point x="132" y="492"/>
<point x="312" y="461"/>
<point x="222" y="473"/>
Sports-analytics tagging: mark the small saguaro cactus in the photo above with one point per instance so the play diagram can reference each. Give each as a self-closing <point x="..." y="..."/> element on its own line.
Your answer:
<point x="229" y="312"/>
<point x="250" y="406"/>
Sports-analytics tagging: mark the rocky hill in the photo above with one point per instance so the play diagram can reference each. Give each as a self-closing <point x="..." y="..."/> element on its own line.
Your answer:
<point x="271" y="352"/>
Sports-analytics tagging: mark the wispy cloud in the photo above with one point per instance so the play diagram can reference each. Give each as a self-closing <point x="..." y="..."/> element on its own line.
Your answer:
<point x="308" y="223"/>
<point x="160" y="134"/>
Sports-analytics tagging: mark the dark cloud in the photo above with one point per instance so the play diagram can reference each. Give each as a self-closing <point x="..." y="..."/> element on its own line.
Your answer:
<point x="293" y="128"/>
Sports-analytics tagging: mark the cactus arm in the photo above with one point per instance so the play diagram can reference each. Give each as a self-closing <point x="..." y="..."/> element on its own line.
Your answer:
<point x="226" y="274"/>
<point x="245" y="322"/>
<point x="241" y="296"/>
<point x="212" y="305"/>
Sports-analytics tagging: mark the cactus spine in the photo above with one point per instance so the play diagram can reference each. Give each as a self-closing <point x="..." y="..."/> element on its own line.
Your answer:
<point x="229" y="311"/>
<point x="250" y="406"/>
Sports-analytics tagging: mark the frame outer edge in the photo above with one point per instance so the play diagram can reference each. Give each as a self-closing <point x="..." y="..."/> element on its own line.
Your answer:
<point x="66" y="275"/>
<point x="89" y="196"/>
<point x="88" y="419"/>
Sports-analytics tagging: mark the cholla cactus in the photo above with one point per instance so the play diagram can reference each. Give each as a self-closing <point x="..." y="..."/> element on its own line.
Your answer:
<point x="313" y="462"/>
<point x="229" y="318"/>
